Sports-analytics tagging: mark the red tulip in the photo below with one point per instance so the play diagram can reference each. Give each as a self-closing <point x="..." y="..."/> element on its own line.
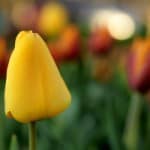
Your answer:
<point x="138" y="65"/>
<point x="55" y="51"/>
<point x="3" y="65"/>
<point x="4" y="57"/>
<point x="100" y="41"/>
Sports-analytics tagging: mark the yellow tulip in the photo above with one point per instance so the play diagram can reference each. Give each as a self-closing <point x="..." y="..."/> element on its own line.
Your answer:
<point x="34" y="87"/>
<point x="52" y="19"/>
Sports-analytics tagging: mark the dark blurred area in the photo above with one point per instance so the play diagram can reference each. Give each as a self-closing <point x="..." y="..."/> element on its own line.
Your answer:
<point x="102" y="50"/>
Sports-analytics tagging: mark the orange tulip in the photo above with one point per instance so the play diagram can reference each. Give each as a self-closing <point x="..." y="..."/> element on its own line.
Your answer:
<point x="68" y="45"/>
<point x="70" y="42"/>
<point x="138" y="65"/>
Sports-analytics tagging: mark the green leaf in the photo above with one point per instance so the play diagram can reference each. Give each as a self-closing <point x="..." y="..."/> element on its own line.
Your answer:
<point x="131" y="133"/>
<point x="14" y="143"/>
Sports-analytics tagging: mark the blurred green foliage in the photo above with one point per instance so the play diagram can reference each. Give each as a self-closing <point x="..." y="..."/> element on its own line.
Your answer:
<point x="95" y="120"/>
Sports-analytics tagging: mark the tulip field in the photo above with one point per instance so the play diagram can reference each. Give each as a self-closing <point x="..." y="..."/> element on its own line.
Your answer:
<point x="69" y="84"/>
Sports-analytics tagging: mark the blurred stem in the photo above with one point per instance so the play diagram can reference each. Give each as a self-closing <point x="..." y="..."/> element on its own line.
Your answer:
<point x="111" y="125"/>
<point x="131" y="133"/>
<point x="32" y="136"/>
<point x="147" y="143"/>
<point x="2" y="118"/>
<point x="81" y="82"/>
<point x="14" y="143"/>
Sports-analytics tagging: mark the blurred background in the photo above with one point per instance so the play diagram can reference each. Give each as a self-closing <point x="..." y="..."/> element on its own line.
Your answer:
<point x="91" y="42"/>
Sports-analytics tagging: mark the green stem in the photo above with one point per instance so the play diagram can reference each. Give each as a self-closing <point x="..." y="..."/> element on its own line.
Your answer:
<point x="131" y="133"/>
<point x="147" y="140"/>
<point x="32" y="136"/>
<point x="111" y="126"/>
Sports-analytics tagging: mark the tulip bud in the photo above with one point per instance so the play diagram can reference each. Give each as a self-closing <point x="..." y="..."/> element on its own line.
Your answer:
<point x="138" y="65"/>
<point x="100" y="41"/>
<point x="34" y="87"/>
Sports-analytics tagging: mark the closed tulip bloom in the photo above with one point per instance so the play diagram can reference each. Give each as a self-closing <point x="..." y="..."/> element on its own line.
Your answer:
<point x="138" y="65"/>
<point x="34" y="87"/>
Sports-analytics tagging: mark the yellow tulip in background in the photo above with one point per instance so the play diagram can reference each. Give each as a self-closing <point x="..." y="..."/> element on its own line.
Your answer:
<point x="34" y="87"/>
<point x="53" y="18"/>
